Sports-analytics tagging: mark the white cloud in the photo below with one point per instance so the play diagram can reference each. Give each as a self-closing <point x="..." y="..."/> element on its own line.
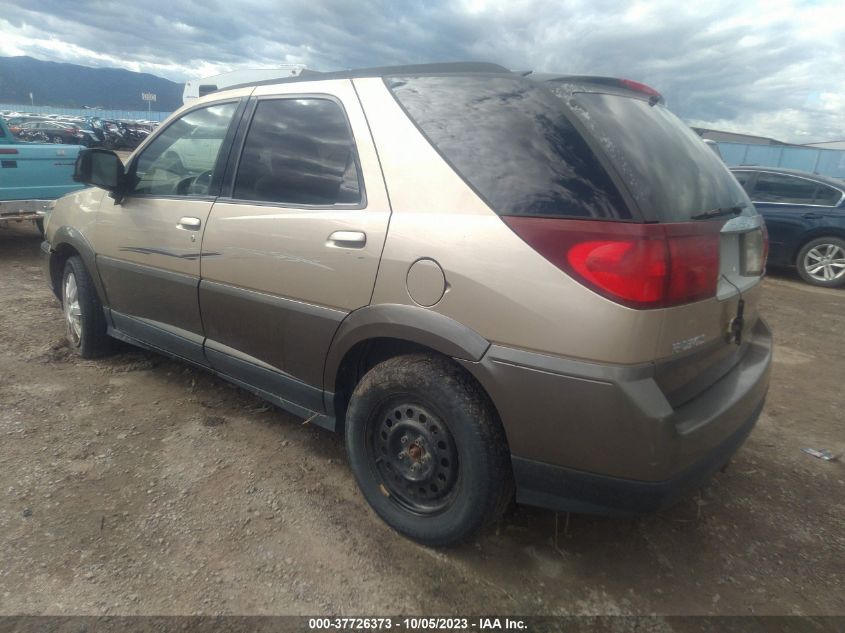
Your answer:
<point x="769" y="68"/>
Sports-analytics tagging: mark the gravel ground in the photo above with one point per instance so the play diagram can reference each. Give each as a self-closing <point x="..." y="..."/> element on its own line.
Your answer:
<point x="138" y="485"/>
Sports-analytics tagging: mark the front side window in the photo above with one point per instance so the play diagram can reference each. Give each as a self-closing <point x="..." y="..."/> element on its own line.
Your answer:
<point x="742" y="177"/>
<point x="299" y="152"/>
<point x="180" y="161"/>
<point x="785" y="189"/>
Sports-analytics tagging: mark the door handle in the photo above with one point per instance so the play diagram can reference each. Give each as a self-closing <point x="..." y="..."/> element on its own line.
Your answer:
<point x="813" y="216"/>
<point x="189" y="224"/>
<point x="347" y="239"/>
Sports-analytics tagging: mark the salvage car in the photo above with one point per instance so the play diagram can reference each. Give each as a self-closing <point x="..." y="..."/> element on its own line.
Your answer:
<point x="32" y="176"/>
<point x="805" y="216"/>
<point x="488" y="282"/>
<point x="57" y="132"/>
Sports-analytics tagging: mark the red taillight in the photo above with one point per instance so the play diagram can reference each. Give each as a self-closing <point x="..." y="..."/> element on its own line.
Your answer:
<point x="8" y="151"/>
<point x="632" y="270"/>
<point x="637" y="265"/>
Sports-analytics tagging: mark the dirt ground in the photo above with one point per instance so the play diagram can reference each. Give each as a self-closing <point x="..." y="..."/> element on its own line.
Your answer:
<point x="138" y="485"/>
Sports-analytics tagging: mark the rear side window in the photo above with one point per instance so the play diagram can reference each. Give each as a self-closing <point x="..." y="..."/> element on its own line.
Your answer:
<point x="785" y="189"/>
<point x="670" y="173"/>
<point x="827" y="196"/>
<point x="299" y="152"/>
<point x="511" y="142"/>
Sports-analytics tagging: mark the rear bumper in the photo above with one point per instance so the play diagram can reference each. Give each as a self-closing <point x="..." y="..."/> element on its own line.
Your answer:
<point x="568" y="490"/>
<point x="602" y="439"/>
<point x="16" y="210"/>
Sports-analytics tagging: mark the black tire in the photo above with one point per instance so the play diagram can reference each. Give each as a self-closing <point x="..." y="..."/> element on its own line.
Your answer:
<point x="89" y="339"/>
<point x="459" y="478"/>
<point x="821" y="262"/>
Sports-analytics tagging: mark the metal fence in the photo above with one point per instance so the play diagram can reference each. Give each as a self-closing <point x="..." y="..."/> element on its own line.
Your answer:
<point x="828" y="162"/>
<point x="143" y="115"/>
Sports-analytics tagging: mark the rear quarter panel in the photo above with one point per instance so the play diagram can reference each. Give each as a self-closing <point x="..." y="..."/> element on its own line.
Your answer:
<point x="496" y="284"/>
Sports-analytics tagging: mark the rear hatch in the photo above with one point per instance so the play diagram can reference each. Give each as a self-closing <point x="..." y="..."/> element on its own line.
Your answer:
<point x="674" y="180"/>
<point x="600" y="178"/>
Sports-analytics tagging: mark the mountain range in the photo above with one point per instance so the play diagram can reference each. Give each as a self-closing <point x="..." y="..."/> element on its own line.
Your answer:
<point x="74" y="86"/>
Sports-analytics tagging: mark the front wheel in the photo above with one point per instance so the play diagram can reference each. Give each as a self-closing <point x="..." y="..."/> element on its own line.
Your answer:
<point x="83" y="312"/>
<point x="427" y="449"/>
<point x="821" y="262"/>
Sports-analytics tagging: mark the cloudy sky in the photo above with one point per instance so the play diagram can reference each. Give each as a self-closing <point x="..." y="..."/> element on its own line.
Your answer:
<point x="773" y="68"/>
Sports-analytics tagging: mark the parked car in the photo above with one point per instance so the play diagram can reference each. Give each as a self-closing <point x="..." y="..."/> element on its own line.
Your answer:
<point x="56" y="132"/>
<point x="474" y="275"/>
<point x="32" y="177"/>
<point x="805" y="217"/>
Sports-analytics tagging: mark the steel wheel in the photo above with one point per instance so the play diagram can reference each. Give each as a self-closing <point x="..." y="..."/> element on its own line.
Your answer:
<point x="427" y="449"/>
<point x="415" y="456"/>
<point x="72" y="310"/>
<point x="825" y="262"/>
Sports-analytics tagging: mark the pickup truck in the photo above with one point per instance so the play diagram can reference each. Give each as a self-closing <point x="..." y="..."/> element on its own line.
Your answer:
<point x="32" y="175"/>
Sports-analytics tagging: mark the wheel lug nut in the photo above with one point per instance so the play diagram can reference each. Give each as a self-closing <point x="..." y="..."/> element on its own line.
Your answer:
<point x="404" y="439"/>
<point x="402" y="455"/>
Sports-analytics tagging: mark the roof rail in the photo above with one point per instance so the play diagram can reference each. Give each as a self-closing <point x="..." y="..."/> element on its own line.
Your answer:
<point x="458" y="68"/>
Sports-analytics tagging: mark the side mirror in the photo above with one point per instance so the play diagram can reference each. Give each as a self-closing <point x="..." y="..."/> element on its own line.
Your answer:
<point x="99" y="167"/>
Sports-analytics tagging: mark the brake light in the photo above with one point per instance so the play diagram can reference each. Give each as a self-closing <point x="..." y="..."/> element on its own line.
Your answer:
<point x="8" y="151"/>
<point x="637" y="265"/>
<point x="636" y="86"/>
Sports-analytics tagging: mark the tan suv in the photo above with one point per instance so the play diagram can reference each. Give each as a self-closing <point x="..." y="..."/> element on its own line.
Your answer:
<point x="489" y="282"/>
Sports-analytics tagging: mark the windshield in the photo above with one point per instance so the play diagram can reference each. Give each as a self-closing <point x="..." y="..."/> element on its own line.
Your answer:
<point x="671" y="174"/>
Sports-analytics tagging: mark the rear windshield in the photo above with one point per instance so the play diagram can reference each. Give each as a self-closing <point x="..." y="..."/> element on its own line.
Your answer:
<point x="671" y="174"/>
<point x="512" y="143"/>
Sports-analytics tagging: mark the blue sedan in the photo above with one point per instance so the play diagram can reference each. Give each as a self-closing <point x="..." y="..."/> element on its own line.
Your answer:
<point x="805" y="217"/>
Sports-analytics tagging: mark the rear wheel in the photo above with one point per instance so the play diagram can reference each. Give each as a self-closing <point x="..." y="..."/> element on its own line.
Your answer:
<point x="821" y="262"/>
<point x="427" y="449"/>
<point x="84" y="319"/>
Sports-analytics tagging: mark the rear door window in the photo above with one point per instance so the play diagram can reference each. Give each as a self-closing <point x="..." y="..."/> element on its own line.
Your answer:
<point x="784" y="189"/>
<point x="299" y="152"/>
<point x="512" y="142"/>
